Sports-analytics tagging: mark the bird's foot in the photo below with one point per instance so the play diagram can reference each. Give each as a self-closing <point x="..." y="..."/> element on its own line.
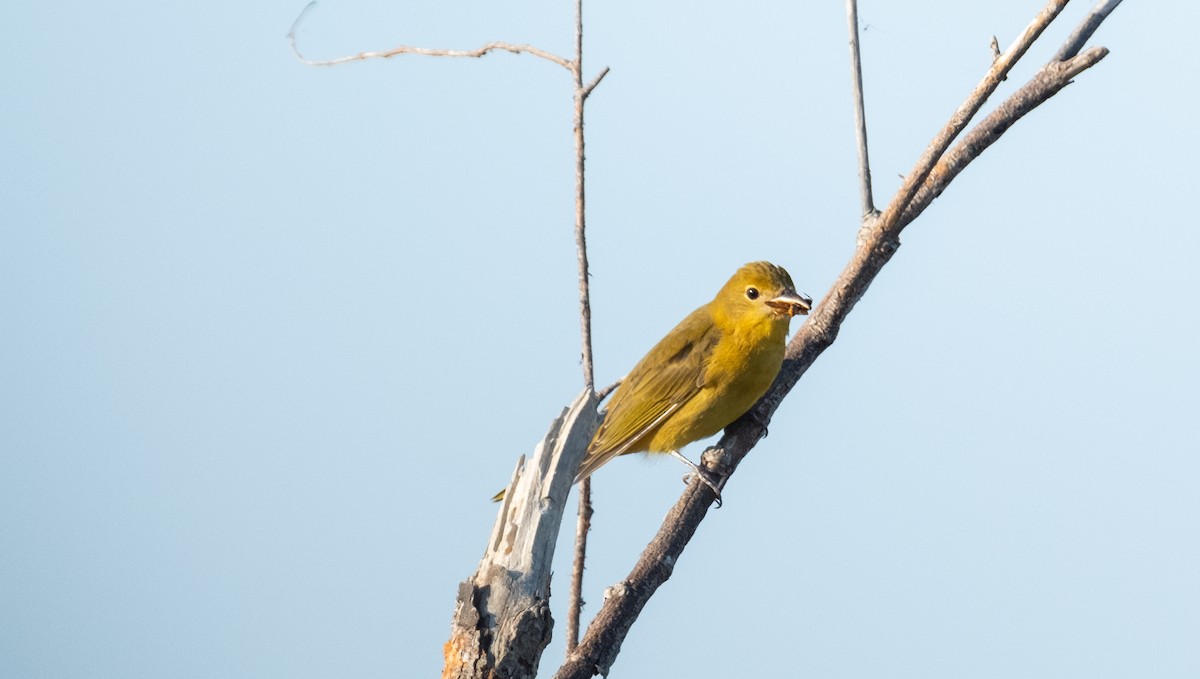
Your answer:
<point x="702" y="474"/>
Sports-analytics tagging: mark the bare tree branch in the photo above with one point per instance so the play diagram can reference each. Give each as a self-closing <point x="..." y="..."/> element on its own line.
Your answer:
<point x="424" y="51"/>
<point x="575" y="595"/>
<point x="995" y="75"/>
<point x="582" y="526"/>
<point x="1045" y="83"/>
<point x="1084" y="31"/>
<point x="624" y="601"/>
<point x="585" y="307"/>
<point x="860" y="118"/>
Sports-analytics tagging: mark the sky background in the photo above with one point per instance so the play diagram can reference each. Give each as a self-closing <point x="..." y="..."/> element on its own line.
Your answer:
<point x="273" y="335"/>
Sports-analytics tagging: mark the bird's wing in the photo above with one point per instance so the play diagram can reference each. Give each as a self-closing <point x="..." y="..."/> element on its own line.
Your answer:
<point x="670" y="375"/>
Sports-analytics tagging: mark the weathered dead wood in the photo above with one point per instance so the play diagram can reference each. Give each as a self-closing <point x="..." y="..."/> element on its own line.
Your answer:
<point x="502" y="620"/>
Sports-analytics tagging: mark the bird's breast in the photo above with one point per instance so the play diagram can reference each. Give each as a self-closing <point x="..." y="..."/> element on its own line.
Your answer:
<point x="737" y="373"/>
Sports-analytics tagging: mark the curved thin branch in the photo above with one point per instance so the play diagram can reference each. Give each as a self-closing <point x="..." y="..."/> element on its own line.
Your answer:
<point x="424" y="51"/>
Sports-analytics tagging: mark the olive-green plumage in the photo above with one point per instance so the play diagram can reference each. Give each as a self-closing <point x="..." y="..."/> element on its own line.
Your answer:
<point x="705" y="373"/>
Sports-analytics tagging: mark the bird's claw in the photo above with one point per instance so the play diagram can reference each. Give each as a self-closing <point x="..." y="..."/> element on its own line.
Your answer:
<point x="702" y="474"/>
<point x="705" y="478"/>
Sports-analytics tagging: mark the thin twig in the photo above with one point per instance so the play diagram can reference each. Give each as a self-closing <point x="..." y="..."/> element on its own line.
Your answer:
<point x="1084" y="31"/>
<point x="587" y="89"/>
<point x="860" y="118"/>
<point x="585" y="308"/>
<point x="603" y="393"/>
<point x="582" y="526"/>
<point x="424" y="51"/>
<point x="575" y="596"/>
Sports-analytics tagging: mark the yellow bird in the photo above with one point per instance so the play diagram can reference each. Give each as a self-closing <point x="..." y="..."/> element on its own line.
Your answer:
<point x="707" y="372"/>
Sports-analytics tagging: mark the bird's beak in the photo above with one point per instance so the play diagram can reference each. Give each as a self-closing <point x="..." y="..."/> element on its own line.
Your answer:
<point x="791" y="303"/>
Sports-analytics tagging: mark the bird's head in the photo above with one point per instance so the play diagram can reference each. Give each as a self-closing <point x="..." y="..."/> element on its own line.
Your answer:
<point x="761" y="291"/>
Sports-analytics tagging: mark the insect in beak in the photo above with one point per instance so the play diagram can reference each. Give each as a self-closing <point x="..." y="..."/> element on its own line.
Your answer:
<point x="791" y="303"/>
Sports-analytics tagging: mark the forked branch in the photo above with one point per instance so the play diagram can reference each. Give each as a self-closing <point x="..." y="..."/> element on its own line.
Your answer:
<point x="937" y="147"/>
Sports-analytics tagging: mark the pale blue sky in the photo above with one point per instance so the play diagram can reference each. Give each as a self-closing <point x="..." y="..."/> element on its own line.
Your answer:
<point x="273" y="335"/>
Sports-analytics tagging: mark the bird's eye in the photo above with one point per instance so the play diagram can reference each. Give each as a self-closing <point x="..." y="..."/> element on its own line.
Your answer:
<point x="752" y="293"/>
